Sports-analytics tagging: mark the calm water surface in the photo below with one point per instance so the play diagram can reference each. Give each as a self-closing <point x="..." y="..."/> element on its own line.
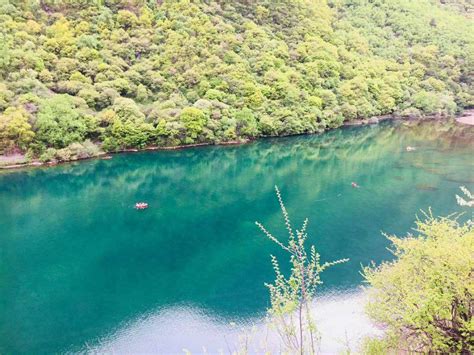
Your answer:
<point x="80" y="268"/>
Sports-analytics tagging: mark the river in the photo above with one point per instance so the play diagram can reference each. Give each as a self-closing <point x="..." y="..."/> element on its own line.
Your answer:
<point x="81" y="269"/>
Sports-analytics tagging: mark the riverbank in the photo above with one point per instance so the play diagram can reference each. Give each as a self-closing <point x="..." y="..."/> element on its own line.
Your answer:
<point x="17" y="161"/>
<point x="467" y="118"/>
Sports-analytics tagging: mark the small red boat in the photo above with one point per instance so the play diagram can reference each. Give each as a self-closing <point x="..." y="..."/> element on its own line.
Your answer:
<point x="141" y="205"/>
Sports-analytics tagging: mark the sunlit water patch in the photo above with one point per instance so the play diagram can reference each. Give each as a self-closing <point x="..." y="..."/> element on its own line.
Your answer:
<point x="340" y="318"/>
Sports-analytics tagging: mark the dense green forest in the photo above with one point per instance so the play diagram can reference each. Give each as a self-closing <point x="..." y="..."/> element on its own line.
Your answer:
<point x="80" y="76"/>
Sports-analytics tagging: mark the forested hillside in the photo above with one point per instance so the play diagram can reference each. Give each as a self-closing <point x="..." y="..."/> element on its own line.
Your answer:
<point x="79" y="76"/>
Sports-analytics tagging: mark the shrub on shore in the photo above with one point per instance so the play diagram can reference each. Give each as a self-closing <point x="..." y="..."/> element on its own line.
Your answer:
<point x="74" y="151"/>
<point x="425" y="297"/>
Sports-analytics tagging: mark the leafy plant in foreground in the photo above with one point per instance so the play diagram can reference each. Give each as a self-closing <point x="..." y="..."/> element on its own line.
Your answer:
<point x="291" y="296"/>
<point x="424" y="298"/>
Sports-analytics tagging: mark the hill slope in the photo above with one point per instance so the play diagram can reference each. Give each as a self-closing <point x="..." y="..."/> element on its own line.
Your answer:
<point x="133" y="73"/>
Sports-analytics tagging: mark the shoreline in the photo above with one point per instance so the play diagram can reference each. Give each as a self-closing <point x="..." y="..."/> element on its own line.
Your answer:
<point x="109" y="155"/>
<point x="467" y="118"/>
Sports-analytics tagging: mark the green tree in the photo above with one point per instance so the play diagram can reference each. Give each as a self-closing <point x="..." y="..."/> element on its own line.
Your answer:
<point x="61" y="121"/>
<point x="126" y="126"/>
<point x="15" y="130"/>
<point x="194" y="121"/>
<point x="246" y="123"/>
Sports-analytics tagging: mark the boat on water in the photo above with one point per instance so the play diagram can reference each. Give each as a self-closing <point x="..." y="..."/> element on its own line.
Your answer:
<point x="141" y="205"/>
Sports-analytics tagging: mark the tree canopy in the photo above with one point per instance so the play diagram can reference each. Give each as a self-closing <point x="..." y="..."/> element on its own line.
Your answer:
<point x="135" y="73"/>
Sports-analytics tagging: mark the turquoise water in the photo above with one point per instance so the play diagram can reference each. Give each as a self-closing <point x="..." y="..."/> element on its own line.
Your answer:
<point x="78" y="262"/>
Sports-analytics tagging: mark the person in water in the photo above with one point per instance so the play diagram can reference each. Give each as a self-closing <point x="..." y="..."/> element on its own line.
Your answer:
<point x="355" y="185"/>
